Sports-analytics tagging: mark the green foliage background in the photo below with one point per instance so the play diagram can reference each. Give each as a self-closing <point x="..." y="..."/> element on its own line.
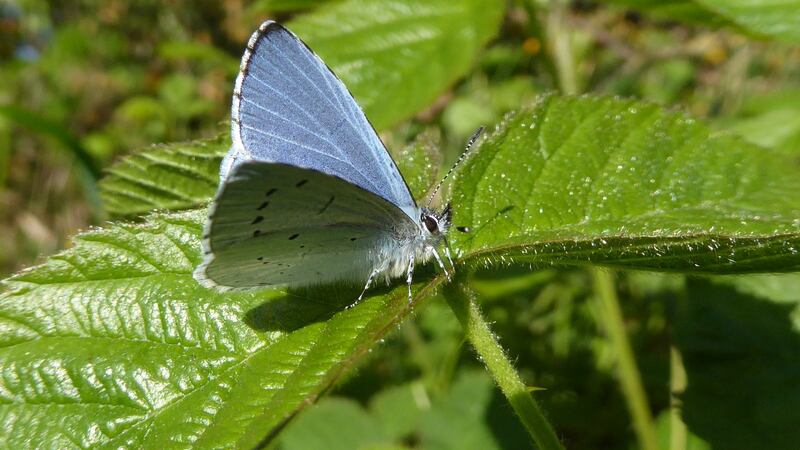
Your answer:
<point x="659" y="139"/>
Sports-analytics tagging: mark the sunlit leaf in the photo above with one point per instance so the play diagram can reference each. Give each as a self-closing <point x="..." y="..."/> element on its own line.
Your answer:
<point x="775" y="18"/>
<point x="397" y="56"/>
<point x="173" y="177"/>
<point x="770" y="18"/>
<point x="419" y="163"/>
<point x="113" y="344"/>
<point x="621" y="183"/>
<point x="771" y="120"/>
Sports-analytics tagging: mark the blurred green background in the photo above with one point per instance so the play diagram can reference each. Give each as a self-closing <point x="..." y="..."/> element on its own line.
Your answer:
<point x="83" y="83"/>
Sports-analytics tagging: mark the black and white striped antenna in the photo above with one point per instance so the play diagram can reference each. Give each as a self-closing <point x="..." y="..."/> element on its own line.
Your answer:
<point x="461" y="158"/>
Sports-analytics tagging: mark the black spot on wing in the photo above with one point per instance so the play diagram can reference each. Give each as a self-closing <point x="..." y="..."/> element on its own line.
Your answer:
<point x="293" y="237"/>
<point x="271" y="191"/>
<point x="352" y="239"/>
<point x="256" y="233"/>
<point x="327" y="205"/>
<point x="257" y="219"/>
<point x="263" y="205"/>
<point x="300" y="183"/>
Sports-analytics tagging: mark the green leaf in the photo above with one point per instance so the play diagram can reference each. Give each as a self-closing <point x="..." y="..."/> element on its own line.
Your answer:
<point x="463" y="418"/>
<point x="769" y="18"/>
<point x="622" y="183"/>
<point x="334" y="424"/>
<point x="468" y="416"/>
<point x="665" y="435"/>
<point x="684" y="10"/>
<point x="775" y="18"/>
<point x="113" y="344"/>
<point x="397" y="56"/>
<point x="742" y="358"/>
<point x="273" y="6"/>
<point x="770" y="120"/>
<point x="419" y="162"/>
<point x="779" y="288"/>
<point x="399" y="408"/>
<point x="172" y="177"/>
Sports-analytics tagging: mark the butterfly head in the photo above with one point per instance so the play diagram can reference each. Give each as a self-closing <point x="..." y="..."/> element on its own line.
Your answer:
<point x="434" y="224"/>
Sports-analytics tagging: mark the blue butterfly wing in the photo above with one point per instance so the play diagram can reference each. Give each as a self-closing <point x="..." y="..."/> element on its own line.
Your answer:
<point x="289" y="108"/>
<point x="279" y="225"/>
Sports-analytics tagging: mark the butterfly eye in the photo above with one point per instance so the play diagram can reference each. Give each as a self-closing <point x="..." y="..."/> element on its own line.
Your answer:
<point x="430" y="224"/>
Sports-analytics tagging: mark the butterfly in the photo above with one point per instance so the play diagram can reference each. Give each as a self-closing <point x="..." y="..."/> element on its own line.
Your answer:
<point x="308" y="193"/>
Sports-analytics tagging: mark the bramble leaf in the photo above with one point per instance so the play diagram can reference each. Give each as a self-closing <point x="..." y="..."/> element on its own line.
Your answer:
<point x="171" y="177"/>
<point x="775" y="18"/>
<point x="625" y="184"/>
<point x="778" y="19"/>
<point x="112" y="344"/>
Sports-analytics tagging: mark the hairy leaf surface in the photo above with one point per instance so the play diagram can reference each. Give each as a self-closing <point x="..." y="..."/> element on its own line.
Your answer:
<point x="174" y="176"/>
<point x="113" y="344"/>
<point x="621" y="183"/>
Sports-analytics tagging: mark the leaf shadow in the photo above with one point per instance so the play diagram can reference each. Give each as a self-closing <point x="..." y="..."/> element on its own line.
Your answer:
<point x="300" y="307"/>
<point x="742" y="359"/>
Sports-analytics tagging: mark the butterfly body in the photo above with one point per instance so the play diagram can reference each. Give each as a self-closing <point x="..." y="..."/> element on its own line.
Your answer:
<point x="308" y="193"/>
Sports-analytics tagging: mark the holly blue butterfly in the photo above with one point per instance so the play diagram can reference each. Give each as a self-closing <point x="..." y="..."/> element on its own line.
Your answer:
<point x="308" y="193"/>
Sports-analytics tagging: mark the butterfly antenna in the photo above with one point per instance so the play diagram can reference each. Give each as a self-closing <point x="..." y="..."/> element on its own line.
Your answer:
<point x="461" y="158"/>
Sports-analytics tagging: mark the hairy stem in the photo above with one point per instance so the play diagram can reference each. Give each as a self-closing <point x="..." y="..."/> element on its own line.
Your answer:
<point x="629" y="376"/>
<point x="462" y="301"/>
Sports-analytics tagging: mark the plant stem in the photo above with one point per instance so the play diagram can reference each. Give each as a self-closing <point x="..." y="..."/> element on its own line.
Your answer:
<point x="559" y="41"/>
<point x="462" y="301"/>
<point x="629" y="376"/>
<point x="677" y="384"/>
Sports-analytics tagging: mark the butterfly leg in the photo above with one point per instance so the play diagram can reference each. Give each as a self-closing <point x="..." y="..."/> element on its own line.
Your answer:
<point x="447" y="253"/>
<point x="441" y="263"/>
<point x="410" y="276"/>
<point x="375" y="272"/>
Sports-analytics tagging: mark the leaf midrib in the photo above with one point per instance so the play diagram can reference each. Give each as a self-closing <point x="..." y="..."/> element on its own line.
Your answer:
<point x="717" y="206"/>
<point x="667" y="240"/>
<point x="359" y="351"/>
